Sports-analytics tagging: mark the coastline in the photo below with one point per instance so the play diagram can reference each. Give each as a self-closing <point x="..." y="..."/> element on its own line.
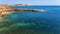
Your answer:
<point x="5" y="9"/>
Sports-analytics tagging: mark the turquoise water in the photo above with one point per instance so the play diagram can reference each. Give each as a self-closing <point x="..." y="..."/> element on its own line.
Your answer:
<point x="49" y="19"/>
<point x="45" y="22"/>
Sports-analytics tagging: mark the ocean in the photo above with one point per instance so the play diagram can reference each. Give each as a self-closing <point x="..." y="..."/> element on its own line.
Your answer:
<point x="47" y="22"/>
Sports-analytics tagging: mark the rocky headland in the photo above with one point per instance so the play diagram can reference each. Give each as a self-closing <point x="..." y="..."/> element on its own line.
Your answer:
<point x="6" y="9"/>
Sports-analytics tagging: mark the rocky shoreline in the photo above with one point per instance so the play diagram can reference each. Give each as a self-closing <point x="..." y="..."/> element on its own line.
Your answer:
<point x="5" y="9"/>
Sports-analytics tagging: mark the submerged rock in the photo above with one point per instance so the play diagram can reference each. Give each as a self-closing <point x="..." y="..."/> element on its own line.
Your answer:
<point x="16" y="22"/>
<point x="9" y="22"/>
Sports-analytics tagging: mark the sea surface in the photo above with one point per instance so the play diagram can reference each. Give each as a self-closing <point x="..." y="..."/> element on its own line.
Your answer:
<point x="47" y="22"/>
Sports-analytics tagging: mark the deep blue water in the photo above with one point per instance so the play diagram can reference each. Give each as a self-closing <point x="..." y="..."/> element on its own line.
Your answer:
<point x="42" y="21"/>
<point x="39" y="7"/>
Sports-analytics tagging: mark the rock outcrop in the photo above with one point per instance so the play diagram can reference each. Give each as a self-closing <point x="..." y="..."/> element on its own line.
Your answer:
<point x="4" y="9"/>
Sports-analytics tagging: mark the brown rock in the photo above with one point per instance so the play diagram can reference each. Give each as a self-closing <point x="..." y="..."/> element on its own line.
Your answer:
<point x="4" y="9"/>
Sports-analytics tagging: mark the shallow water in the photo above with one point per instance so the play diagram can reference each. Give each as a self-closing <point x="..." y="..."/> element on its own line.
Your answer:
<point x="47" y="22"/>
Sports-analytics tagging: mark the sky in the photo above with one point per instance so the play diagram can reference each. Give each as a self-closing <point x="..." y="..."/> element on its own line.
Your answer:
<point x="33" y="2"/>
